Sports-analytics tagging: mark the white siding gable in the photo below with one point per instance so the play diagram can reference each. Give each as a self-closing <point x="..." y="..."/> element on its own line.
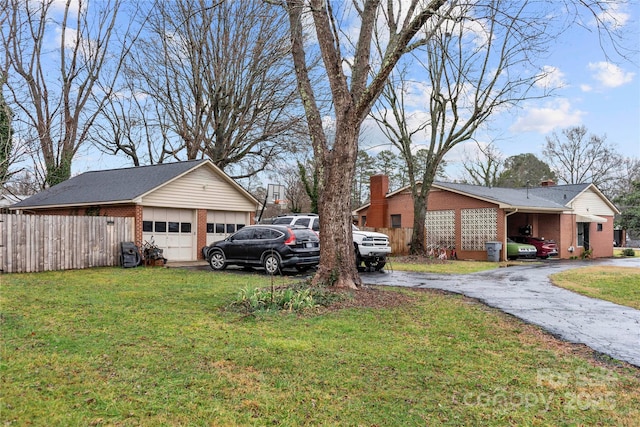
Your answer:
<point x="201" y="188"/>
<point x="590" y="203"/>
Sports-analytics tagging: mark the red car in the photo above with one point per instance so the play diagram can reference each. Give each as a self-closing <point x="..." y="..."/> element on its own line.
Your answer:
<point x="546" y="248"/>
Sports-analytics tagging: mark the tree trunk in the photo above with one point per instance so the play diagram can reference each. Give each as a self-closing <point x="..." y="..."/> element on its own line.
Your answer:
<point x="338" y="266"/>
<point x="418" y="238"/>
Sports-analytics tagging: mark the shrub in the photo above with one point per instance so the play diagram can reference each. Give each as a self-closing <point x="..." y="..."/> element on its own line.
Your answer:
<point x="628" y="252"/>
<point x="292" y="298"/>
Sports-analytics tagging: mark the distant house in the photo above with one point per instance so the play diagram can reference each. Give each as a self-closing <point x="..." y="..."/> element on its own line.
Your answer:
<point x="578" y="216"/>
<point x="181" y="206"/>
<point x="7" y="200"/>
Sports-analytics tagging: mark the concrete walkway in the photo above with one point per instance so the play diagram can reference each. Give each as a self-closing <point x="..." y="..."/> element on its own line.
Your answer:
<point x="527" y="293"/>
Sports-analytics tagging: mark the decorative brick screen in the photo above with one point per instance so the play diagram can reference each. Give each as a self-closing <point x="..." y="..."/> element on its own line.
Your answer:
<point x="441" y="229"/>
<point x="478" y="226"/>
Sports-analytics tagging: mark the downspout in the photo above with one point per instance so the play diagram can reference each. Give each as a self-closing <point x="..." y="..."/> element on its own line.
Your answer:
<point x="504" y="240"/>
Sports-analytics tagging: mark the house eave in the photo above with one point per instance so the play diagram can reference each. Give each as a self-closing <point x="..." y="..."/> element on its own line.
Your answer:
<point x="71" y="205"/>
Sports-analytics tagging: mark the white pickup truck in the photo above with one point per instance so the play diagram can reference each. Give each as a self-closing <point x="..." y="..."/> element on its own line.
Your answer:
<point x="371" y="248"/>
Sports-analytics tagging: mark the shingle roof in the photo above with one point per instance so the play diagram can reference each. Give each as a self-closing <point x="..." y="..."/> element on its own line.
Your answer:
<point x="109" y="186"/>
<point x="536" y="197"/>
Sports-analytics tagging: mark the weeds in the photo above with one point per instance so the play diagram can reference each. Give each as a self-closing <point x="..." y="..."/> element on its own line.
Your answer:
<point x="295" y="297"/>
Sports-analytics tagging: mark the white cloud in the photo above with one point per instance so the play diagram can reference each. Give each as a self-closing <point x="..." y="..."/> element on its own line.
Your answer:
<point x="615" y="16"/>
<point x="550" y="78"/>
<point x="557" y="113"/>
<point x="610" y="75"/>
<point x="585" y="88"/>
<point x="60" y="5"/>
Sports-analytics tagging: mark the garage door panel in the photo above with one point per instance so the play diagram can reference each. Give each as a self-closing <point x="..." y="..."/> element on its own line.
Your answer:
<point x="172" y="230"/>
<point x="221" y="224"/>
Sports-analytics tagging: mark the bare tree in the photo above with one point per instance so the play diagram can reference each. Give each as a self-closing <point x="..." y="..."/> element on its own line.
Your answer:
<point x="221" y="80"/>
<point x="476" y="62"/>
<point x="55" y="59"/>
<point x="484" y="167"/>
<point x="579" y="158"/>
<point x="355" y="78"/>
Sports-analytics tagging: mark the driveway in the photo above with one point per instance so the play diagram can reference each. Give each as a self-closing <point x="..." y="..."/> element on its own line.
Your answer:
<point x="526" y="292"/>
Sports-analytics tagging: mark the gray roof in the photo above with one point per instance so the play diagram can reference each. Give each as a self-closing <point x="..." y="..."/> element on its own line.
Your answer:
<point x="109" y="186"/>
<point x="549" y="198"/>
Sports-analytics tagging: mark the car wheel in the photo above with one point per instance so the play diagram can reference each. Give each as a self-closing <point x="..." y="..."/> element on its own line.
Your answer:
<point x="217" y="261"/>
<point x="358" y="257"/>
<point x="271" y="263"/>
<point x="380" y="265"/>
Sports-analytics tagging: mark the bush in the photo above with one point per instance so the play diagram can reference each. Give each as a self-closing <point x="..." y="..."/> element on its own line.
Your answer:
<point x="296" y="297"/>
<point x="628" y="252"/>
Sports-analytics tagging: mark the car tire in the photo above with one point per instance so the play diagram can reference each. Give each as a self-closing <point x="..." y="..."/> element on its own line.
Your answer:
<point x="357" y="254"/>
<point x="217" y="260"/>
<point x="374" y="265"/>
<point x="271" y="263"/>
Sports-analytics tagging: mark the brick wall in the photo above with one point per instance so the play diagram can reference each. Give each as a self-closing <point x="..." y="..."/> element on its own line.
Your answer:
<point x="201" y="231"/>
<point x="601" y="242"/>
<point x="402" y="204"/>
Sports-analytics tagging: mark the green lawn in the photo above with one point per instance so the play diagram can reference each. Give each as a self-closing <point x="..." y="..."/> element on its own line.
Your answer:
<point x="161" y="347"/>
<point x="425" y="265"/>
<point x="616" y="284"/>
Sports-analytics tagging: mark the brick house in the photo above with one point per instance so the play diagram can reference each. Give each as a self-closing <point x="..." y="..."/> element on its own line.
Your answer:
<point x="578" y="216"/>
<point x="182" y="206"/>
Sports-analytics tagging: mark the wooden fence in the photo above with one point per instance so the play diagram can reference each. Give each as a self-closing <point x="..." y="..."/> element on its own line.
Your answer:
<point x="31" y="243"/>
<point x="399" y="238"/>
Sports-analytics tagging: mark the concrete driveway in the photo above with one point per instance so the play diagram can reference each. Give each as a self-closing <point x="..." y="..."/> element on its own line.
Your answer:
<point x="526" y="292"/>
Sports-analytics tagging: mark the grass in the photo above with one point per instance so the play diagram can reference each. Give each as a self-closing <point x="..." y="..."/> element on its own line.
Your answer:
<point x="620" y="285"/>
<point x="438" y="266"/>
<point x="618" y="252"/>
<point x="160" y="347"/>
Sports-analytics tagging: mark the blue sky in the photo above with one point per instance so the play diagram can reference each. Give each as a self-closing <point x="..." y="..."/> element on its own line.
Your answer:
<point x="597" y="88"/>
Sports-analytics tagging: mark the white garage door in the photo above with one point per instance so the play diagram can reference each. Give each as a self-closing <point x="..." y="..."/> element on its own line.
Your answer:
<point x="221" y="224"/>
<point x="173" y="230"/>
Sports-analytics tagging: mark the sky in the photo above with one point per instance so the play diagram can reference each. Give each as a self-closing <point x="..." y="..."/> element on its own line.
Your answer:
<point x="597" y="88"/>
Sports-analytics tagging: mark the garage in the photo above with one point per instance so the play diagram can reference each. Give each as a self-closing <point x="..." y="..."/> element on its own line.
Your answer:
<point x="180" y="206"/>
<point x="221" y="224"/>
<point x="173" y="230"/>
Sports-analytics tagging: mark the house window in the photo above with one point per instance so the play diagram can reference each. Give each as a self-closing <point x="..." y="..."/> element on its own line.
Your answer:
<point x="185" y="227"/>
<point x="211" y="227"/>
<point x="599" y="227"/>
<point x="396" y="221"/>
<point x="239" y="226"/>
<point x="147" y="226"/>
<point x="231" y="228"/>
<point x="219" y="228"/>
<point x="363" y="220"/>
<point x="160" y="227"/>
<point x="174" y="227"/>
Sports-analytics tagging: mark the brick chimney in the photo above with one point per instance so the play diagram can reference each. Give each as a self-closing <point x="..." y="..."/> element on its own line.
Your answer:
<point x="378" y="213"/>
<point x="547" y="183"/>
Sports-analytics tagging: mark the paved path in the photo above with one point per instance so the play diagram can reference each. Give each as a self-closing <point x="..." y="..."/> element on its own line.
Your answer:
<point x="527" y="293"/>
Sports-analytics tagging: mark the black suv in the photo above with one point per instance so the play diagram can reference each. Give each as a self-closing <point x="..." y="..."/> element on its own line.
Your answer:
<point x="273" y="247"/>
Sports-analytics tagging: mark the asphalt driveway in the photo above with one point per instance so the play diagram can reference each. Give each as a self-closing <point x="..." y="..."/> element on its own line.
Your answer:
<point x="527" y="293"/>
